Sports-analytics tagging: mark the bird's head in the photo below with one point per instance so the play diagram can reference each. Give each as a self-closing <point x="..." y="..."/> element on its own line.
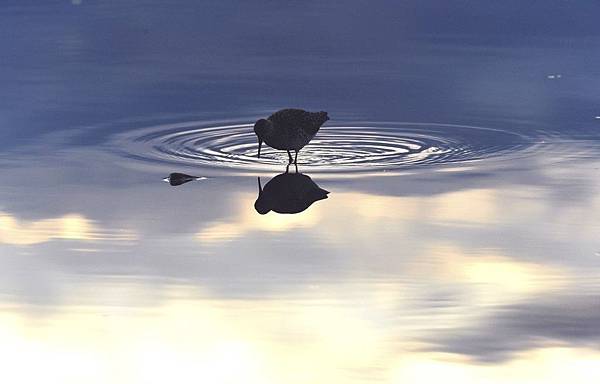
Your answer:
<point x="262" y="206"/>
<point x="262" y="128"/>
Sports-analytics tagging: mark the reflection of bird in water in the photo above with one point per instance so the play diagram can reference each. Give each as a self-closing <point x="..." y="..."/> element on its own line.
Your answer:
<point x="288" y="193"/>
<point x="181" y="178"/>
<point x="289" y="129"/>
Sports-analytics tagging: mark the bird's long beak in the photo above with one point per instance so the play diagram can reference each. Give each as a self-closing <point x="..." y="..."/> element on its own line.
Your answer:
<point x="259" y="145"/>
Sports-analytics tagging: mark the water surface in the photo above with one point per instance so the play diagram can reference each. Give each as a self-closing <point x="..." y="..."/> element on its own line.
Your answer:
<point x="458" y="242"/>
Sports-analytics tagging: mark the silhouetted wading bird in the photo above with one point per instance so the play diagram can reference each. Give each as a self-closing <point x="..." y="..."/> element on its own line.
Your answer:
<point x="289" y="130"/>
<point x="288" y="193"/>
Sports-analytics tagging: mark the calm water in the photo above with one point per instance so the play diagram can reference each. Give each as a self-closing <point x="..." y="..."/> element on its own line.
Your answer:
<point x="459" y="242"/>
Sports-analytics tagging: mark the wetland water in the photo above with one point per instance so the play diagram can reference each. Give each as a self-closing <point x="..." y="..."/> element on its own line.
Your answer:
<point x="459" y="241"/>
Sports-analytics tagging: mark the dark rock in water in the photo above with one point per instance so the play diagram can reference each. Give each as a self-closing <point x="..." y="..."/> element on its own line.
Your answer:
<point x="289" y="129"/>
<point x="181" y="178"/>
<point x="288" y="193"/>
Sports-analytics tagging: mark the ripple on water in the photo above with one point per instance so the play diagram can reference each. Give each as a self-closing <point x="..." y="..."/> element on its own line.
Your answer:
<point x="337" y="148"/>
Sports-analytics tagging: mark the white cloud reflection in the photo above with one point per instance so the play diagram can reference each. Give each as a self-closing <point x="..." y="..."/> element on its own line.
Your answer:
<point x="370" y="287"/>
<point x="318" y="339"/>
<point x="541" y="366"/>
<point x="248" y="220"/>
<point x="67" y="227"/>
<point x="469" y="206"/>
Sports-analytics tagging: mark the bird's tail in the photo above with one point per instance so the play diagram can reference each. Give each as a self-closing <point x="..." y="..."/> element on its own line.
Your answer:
<point x="323" y="116"/>
<point x="318" y="194"/>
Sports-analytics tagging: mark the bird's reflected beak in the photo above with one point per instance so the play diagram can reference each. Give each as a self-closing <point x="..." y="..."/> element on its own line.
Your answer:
<point x="259" y="145"/>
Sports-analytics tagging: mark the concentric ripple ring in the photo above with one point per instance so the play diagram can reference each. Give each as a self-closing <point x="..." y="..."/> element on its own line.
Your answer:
<point x="337" y="148"/>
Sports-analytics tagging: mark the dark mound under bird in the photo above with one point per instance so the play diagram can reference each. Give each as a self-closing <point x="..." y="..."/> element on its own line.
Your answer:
<point x="289" y="129"/>
<point x="288" y="193"/>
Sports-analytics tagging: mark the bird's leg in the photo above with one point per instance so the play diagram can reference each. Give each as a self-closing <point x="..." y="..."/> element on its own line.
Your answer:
<point x="296" y="159"/>
<point x="296" y="167"/>
<point x="290" y="156"/>
<point x="287" y="168"/>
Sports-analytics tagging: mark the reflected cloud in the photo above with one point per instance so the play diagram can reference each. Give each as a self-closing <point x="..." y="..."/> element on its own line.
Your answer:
<point x="501" y="278"/>
<point x="201" y="336"/>
<point x="246" y="220"/>
<point x="472" y="205"/>
<point x="571" y="320"/>
<point x="469" y="206"/>
<point x="375" y="216"/>
<point x="549" y="365"/>
<point x="481" y="280"/>
<point x="67" y="227"/>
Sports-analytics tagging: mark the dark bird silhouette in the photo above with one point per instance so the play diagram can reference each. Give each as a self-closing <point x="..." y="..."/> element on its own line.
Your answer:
<point x="288" y="193"/>
<point x="181" y="178"/>
<point x="289" y="130"/>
